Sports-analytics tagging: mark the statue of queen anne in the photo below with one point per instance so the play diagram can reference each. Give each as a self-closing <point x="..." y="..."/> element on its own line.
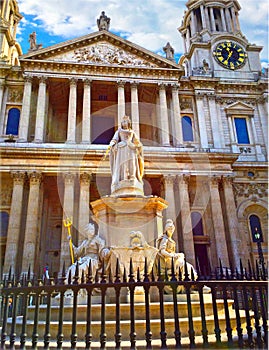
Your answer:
<point x="126" y="160"/>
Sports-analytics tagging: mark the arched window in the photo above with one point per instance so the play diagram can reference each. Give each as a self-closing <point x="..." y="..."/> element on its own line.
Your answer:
<point x="13" y="121"/>
<point x="197" y="224"/>
<point x="241" y="130"/>
<point x="187" y="128"/>
<point x="255" y="226"/>
<point x="4" y="217"/>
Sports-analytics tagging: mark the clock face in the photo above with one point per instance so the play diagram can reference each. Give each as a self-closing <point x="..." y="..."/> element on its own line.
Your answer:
<point x="230" y="55"/>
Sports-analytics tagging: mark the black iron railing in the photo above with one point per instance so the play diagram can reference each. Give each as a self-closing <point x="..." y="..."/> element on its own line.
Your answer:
<point x="241" y="322"/>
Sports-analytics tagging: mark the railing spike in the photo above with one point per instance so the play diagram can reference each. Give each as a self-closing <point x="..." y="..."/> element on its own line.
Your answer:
<point x="138" y="275"/>
<point x="131" y="271"/>
<point x="250" y="273"/>
<point x="124" y="275"/>
<point x="103" y="274"/>
<point x="242" y="270"/>
<point x="160" y="278"/>
<point x="257" y="270"/>
<point x="192" y="275"/>
<point x="146" y="275"/>
<point x="186" y="277"/>
<point x="69" y="277"/>
<point x="173" y="275"/>
<point x="82" y="280"/>
<point x="117" y="276"/>
<point x="89" y="274"/>
<point x="179" y="274"/>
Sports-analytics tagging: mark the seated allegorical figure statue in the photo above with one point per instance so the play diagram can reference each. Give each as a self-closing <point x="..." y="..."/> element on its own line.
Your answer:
<point x="126" y="157"/>
<point x="167" y="252"/>
<point x="91" y="250"/>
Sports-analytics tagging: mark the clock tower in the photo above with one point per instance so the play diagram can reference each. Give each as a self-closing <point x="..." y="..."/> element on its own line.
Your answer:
<point x="214" y="44"/>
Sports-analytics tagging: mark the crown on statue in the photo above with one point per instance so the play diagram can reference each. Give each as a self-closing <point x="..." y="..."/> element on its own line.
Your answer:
<point x="126" y="117"/>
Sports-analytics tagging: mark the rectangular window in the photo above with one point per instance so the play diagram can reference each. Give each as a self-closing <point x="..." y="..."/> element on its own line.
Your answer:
<point x="241" y="130"/>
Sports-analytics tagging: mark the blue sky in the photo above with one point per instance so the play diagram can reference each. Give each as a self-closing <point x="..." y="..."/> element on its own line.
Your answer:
<point x="148" y="23"/>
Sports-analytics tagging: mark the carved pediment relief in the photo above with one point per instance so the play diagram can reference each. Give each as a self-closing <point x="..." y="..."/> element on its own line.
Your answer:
<point x="105" y="53"/>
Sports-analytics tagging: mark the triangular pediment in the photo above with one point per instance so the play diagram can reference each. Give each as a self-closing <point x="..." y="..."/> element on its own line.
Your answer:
<point x="101" y="48"/>
<point x="239" y="108"/>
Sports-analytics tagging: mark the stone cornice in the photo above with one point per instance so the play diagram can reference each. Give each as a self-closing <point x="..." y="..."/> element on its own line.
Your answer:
<point x="98" y="72"/>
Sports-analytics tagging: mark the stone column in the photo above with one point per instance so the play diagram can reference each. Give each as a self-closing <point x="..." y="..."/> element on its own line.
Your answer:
<point x="234" y="20"/>
<point x="86" y="113"/>
<point x="185" y="214"/>
<point x="218" y="223"/>
<point x="212" y="19"/>
<point x="207" y="18"/>
<point x="14" y="224"/>
<point x="121" y="101"/>
<point x="261" y="104"/>
<point x="216" y="128"/>
<point x="177" y="117"/>
<point x="32" y="233"/>
<point x="25" y="113"/>
<point x="256" y="141"/>
<point x="203" y="16"/>
<point x="233" y="140"/>
<point x="135" y="108"/>
<point x="84" y="203"/>
<point x="2" y="87"/>
<point x="165" y="140"/>
<point x="222" y="15"/>
<point x="228" y="20"/>
<point x="201" y="119"/>
<point x="72" y="112"/>
<point x="233" y="225"/>
<point x="193" y="24"/>
<point x="40" y="111"/>
<point x="68" y="212"/>
<point x="169" y="181"/>
<point x="188" y="39"/>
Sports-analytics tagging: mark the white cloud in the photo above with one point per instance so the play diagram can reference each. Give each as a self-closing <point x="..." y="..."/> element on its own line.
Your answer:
<point x="148" y="23"/>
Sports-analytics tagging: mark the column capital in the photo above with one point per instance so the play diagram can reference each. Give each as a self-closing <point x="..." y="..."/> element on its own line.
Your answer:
<point x="28" y="78"/>
<point x="87" y="82"/>
<point x="227" y="180"/>
<point x="73" y="81"/>
<point x="183" y="179"/>
<point x="175" y="87"/>
<point x="169" y="179"/>
<point x="42" y="79"/>
<point x="85" y="178"/>
<point x="69" y="177"/>
<point x="121" y="83"/>
<point x="134" y="84"/>
<point x="35" y="177"/>
<point x="18" y="177"/>
<point x="214" y="180"/>
<point x="162" y="86"/>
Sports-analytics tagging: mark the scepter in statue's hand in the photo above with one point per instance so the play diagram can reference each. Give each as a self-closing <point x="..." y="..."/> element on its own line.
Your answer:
<point x="107" y="151"/>
<point x="68" y="224"/>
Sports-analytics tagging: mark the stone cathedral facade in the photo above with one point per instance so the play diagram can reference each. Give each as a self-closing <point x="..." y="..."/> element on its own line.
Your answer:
<point x="202" y="121"/>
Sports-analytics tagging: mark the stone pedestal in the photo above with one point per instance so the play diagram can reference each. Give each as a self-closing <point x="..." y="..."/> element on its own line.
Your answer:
<point x="118" y="216"/>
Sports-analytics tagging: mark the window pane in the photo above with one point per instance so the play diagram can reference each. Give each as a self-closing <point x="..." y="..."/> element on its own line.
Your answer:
<point x="13" y="121"/>
<point x="187" y="129"/>
<point x="4" y="223"/>
<point x="255" y="226"/>
<point x="197" y="224"/>
<point x="241" y="130"/>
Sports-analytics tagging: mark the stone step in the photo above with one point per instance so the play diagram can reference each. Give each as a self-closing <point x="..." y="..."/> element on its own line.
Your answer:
<point x="140" y="327"/>
<point x="139" y="310"/>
